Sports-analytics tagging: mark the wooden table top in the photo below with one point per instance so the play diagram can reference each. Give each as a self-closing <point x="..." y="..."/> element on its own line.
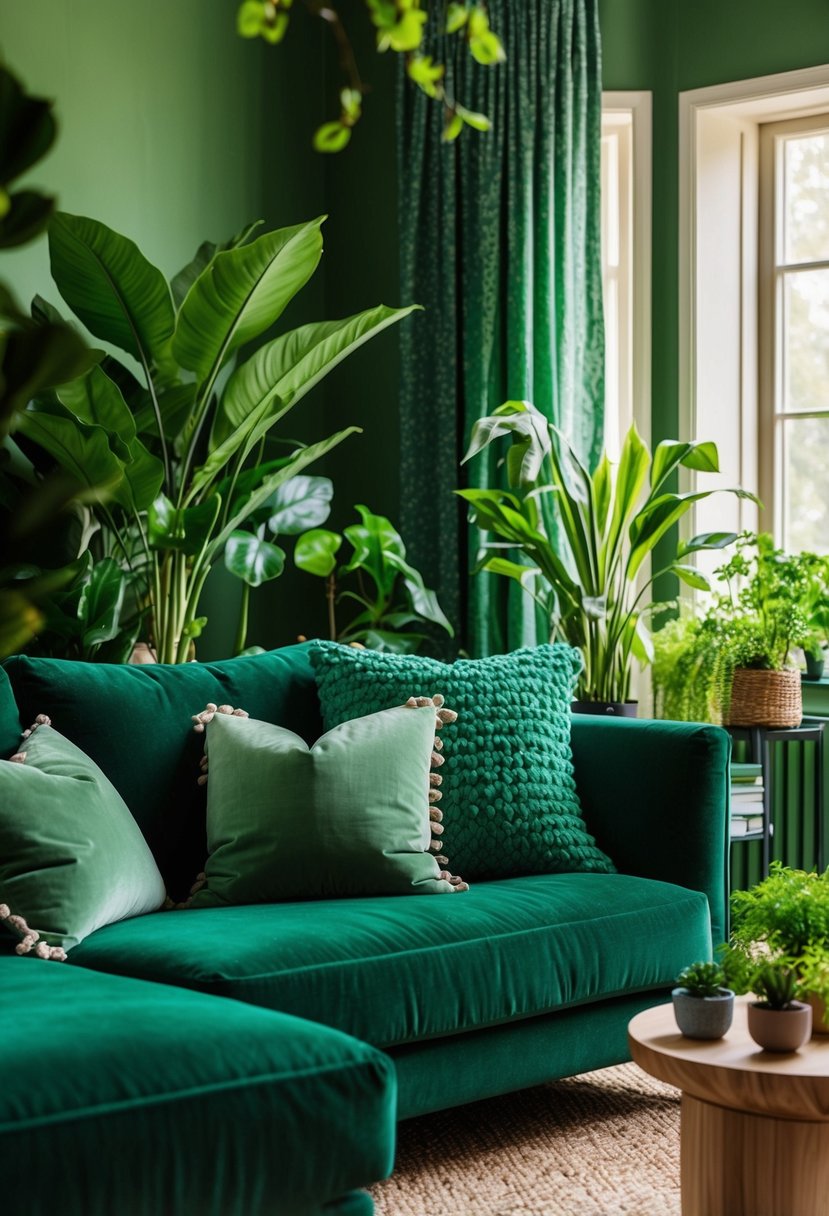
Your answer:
<point x="734" y="1072"/>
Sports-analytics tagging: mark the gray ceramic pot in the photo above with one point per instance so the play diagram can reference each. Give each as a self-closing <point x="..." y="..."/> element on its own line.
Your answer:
<point x="780" y="1029"/>
<point x="703" y="1017"/>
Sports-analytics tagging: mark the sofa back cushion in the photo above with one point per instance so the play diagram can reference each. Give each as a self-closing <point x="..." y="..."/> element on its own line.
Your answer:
<point x="10" y="726"/>
<point x="135" y="723"/>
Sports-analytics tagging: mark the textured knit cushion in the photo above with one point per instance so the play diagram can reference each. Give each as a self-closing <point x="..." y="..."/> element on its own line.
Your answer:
<point x="349" y="816"/>
<point x="72" y="858"/>
<point x="509" y="798"/>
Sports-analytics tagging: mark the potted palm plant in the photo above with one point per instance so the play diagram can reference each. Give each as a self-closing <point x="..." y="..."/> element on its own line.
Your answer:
<point x="579" y="543"/>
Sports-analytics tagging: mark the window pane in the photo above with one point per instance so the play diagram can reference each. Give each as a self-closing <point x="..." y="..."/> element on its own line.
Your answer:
<point x="805" y="484"/>
<point x="807" y="198"/>
<point x="806" y="340"/>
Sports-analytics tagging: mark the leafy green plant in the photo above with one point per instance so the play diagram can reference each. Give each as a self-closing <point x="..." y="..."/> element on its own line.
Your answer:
<point x="180" y="445"/>
<point x="393" y="602"/>
<point x="35" y="354"/>
<point x="783" y="921"/>
<point x="777" y="984"/>
<point x="702" y="979"/>
<point x="584" y="540"/>
<point x="400" y="26"/>
<point x="772" y="603"/>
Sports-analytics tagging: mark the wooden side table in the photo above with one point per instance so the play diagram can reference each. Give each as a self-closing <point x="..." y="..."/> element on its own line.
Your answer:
<point x="755" y="1124"/>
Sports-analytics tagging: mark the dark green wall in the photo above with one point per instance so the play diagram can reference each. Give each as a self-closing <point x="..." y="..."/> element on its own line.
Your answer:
<point x="671" y="47"/>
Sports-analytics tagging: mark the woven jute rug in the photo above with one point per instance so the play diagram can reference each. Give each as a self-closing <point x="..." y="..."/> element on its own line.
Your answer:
<point x="603" y="1144"/>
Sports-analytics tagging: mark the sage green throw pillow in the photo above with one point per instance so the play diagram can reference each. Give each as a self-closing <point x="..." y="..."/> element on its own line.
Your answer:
<point x="353" y="815"/>
<point x="72" y="858"/>
<point x="509" y="796"/>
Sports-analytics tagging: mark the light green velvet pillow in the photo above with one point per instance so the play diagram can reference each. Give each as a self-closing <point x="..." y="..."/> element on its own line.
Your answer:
<point x="72" y="858"/>
<point x="355" y="814"/>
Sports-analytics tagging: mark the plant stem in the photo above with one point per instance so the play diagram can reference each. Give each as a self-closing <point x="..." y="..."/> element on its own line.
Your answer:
<point x="242" y="627"/>
<point x="330" y="594"/>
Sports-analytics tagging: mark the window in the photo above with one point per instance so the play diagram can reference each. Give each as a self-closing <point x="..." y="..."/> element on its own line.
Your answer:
<point x="794" y="330"/>
<point x="754" y="301"/>
<point x="625" y="228"/>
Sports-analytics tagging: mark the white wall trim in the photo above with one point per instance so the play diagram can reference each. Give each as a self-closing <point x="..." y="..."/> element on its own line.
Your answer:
<point x="638" y="104"/>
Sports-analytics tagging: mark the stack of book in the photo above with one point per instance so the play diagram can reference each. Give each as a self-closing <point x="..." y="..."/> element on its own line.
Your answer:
<point x="746" y="800"/>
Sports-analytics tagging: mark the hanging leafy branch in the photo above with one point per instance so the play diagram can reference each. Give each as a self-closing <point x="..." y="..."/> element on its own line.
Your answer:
<point x="401" y="27"/>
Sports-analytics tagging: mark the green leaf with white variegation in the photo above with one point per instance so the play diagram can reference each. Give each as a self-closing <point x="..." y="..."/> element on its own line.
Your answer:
<point x="299" y="504"/>
<point x="295" y="464"/>
<point x="253" y="560"/>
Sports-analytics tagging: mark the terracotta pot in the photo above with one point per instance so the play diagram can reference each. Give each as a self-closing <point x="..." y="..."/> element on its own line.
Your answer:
<point x="141" y="653"/>
<point x="780" y="1029"/>
<point x="703" y="1017"/>
<point x="606" y="709"/>
<point x="819" y="1015"/>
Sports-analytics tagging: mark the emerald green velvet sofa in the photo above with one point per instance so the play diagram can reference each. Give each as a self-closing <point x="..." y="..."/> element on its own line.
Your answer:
<point x="248" y="1060"/>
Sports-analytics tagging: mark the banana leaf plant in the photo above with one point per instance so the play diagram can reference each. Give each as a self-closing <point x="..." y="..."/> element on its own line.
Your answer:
<point x="579" y="544"/>
<point x="393" y="602"/>
<point x="171" y="443"/>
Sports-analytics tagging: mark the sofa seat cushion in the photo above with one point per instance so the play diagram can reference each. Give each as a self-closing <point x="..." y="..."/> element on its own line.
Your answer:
<point x="397" y="969"/>
<point x="123" y="1096"/>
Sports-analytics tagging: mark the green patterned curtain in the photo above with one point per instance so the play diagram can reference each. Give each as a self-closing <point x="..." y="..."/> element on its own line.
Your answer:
<point x="500" y="241"/>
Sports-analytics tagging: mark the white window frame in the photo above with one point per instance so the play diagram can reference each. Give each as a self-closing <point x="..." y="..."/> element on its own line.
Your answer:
<point x="628" y="115"/>
<point x="772" y="414"/>
<point x="719" y="348"/>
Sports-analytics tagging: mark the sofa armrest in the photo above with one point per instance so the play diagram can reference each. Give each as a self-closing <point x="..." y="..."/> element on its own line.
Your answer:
<point x="655" y="795"/>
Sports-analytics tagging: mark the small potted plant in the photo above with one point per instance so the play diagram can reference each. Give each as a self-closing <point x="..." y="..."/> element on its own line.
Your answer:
<point x="783" y="920"/>
<point x="778" y="1021"/>
<point x="703" y="1005"/>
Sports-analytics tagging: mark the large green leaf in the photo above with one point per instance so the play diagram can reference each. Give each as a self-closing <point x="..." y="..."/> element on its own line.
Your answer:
<point x="630" y="478"/>
<point x="98" y="401"/>
<point x="241" y="293"/>
<point x="671" y="453"/>
<point x="253" y="560"/>
<point x="530" y="434"/>
<point x="186" y="530"/>
<point x="181" y="283"/>
<point x="651" y="524"/>
<point x="101" y="601"/>
<point x="423" y="599"/>
<point x="109" y="284"/>
<point x="301" y="503"/>
<point x="83" y="451"/>
<point x="374" y="541"/>
<point x="143" y="478"/>
<point x="316" y="551"/>
<point x="37" y="357"/>
<point x="289" y="367"/>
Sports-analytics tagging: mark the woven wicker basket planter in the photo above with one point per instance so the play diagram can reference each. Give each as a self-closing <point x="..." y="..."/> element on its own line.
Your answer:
<point x="765" y="698"/>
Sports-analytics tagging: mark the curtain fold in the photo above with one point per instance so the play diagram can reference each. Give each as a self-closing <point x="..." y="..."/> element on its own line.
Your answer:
<point x="500" y="241"/>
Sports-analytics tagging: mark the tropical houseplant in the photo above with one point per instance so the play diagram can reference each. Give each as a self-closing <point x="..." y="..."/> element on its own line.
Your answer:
<point x="744" y="636"/>
<point x="579" y="543"/>
<point x="177" y="433"/>
<point x="783" y="921"/>
<point x="394" y="606"/>
<point x="35" y="354"/>
<point x="778" y="1021"/>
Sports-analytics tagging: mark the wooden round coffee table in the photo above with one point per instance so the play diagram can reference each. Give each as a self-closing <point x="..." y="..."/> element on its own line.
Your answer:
<point x="755" y="1124"/>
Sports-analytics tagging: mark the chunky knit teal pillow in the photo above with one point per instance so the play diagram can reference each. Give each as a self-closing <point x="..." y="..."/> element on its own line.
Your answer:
<point x="509" y="797"/>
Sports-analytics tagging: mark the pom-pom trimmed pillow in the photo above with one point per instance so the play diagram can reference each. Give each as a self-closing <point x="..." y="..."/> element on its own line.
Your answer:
<point x="356" y="814"/>
<point x="509" y="797"/>
<point x="72" y="858"/>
